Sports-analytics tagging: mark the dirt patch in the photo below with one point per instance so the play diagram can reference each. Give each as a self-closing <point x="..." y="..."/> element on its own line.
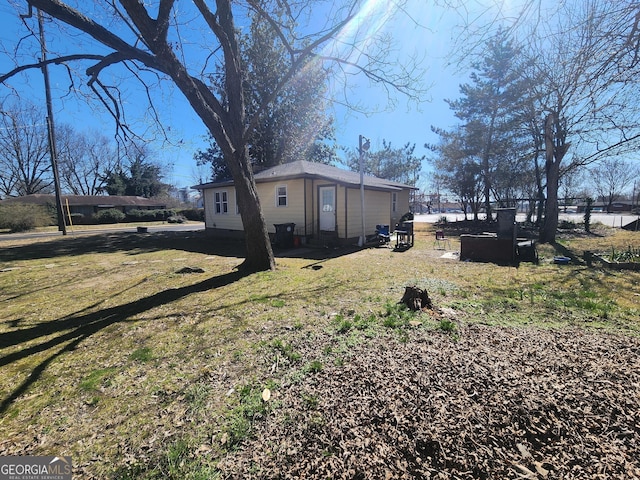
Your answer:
<point x="493" y="403"/>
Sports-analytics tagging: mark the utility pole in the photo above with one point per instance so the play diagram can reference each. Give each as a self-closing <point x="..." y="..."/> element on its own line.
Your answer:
<point x="363" y="146"/>
<point x="633" y="197"/>
<point x="50" y="126"/>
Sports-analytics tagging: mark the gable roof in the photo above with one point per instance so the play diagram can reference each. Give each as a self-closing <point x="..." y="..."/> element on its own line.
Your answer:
<point x="305" y="169"/>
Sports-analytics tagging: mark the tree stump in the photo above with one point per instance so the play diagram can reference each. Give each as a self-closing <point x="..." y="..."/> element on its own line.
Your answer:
<point x="416" y="299"/>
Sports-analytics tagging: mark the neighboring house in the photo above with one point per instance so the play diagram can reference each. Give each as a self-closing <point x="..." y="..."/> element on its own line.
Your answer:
<point x="88" y="205"/>
<point x="617" y="206"/>
<point x="447" y="207"/>
<point x="321" y="200"/>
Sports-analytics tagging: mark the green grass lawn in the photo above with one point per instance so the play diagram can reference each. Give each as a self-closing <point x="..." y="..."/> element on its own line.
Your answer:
<point x="109" y="355"/>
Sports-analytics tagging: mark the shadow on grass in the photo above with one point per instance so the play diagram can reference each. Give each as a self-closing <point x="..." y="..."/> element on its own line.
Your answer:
<point x="194" y="241"/>
<point x="190" y="241"/>
<point x="72" y="330"/>
<point x="566" y="252"/>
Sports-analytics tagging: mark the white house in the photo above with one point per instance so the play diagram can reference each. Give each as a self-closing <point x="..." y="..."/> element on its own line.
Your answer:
<point x="322" y="201"/>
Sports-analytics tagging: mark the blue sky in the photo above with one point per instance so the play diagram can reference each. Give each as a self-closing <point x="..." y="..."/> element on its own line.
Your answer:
<point x="425" y="31"/>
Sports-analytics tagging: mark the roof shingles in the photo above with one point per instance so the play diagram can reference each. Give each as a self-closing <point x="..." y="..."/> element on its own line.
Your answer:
<point x="305" y="169"/>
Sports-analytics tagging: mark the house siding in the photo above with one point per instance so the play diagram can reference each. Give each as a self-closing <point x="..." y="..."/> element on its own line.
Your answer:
<point x="309" y="214"/>
<point x="293" y="212"/>
<point x="376" y="211"/>
<point x="342" y="210"/>
<point x="222" y="221"/>
<point x="303" y="181"/>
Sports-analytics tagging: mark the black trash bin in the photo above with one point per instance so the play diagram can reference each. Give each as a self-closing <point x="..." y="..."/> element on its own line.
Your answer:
<point x="284" y="234"/>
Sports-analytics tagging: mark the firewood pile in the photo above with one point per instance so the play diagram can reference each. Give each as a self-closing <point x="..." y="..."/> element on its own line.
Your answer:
<point x="495" y="403"/>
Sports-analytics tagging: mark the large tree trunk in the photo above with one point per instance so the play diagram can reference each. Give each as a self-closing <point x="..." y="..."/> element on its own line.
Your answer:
<point x="486" y="169"/>
<point x="487" y="192"/>
<point x="550" y="222"/>
<point x="229" y="136"/>
<point x="553" y="157"/>
<point x="259" y="255"/>
<point x="228" y="128"/>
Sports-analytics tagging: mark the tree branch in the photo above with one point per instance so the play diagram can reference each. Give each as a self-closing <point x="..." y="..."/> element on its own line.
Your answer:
<point x="94" y="71"/>
<point x="52" y="61"/>
<point x="77" y="20"/>
<point x="594" y="156"/>
<point x="154" y="32"/>
<point x="403" y="87"/>
<point x="164" y="12"/>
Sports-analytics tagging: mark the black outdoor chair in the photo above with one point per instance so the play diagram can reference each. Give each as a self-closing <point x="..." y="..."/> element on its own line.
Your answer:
<point x="404" y="235"/>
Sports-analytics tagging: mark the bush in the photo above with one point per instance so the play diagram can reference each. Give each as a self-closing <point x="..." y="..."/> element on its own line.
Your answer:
<point x="193" y="214"/>
<point x="176" y="219"/>
<point x="158" y="215"/>
<point x="567" y="225"/>
<point x="19" y="217"/>
<point x="140" y="215"/>
<point x="76" y="218"/>
<point x="111" y="215"/>
<point x="164" y="214"/>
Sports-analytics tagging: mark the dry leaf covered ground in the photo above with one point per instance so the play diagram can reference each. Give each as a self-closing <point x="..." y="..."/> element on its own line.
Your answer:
<point x="489" y="403"/>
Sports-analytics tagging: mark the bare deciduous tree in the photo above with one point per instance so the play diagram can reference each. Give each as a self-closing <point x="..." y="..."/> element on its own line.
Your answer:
<point x="149" y="41"/>
<point x="85" y="161"/>
<point x="611" y="177"/>
<point x="25" y="166"/>
<point x="583" y="61"/>
<point x="584" y="92"/>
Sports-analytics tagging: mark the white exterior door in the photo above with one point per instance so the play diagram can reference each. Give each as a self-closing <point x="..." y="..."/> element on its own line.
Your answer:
<point x="327" y="196"/>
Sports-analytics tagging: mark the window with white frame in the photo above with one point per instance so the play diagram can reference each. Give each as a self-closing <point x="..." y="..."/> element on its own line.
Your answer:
<point x="221" y="202"/>
<point x="394" y="201"/>
<point x="281" y="196"/>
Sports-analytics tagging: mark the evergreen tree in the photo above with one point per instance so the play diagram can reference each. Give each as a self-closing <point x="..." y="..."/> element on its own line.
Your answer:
<point x="396" y="164"/>
<point x="140" y="178"/>
<point x="458" y="170"/>
<point x="289" y="126"/>
<point x="491" y="115"/>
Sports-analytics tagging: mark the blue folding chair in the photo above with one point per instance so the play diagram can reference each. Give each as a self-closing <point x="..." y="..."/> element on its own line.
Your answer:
<point x="382" y="231"/>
